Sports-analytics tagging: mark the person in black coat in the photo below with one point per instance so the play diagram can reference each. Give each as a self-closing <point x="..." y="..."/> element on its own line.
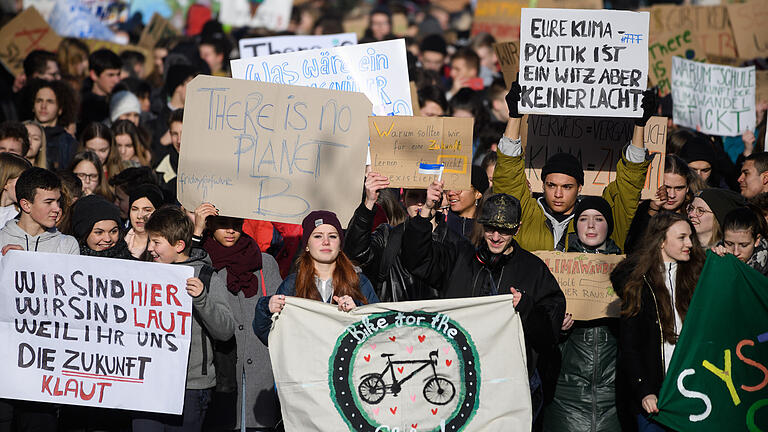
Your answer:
<point x="497" y="265"/>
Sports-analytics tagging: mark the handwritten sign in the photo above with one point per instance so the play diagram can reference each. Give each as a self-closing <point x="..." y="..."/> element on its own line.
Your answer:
<point x="585" y="63"/>
<point x="400" y="144"/>
<point x="379" y="70"/>
<point x="597" y="143"/>
<point x="665" y="46"/>
<point x="88" y="331"/>
<point x="718" y="99"/>
<point x="585" y="280"/>
<point x="570" y="4"/>
<point x="270" y="151"/>
<point x="709" y="24"/>
<point x="748" y="21"/>
<point x="761" y="86"/>
<point x="159" y="28"/>
<point x="501" y="18"/>
<point x="429" y="366"/>
<point x="22" y="35"/>
<point x="508" y="54"/>
<point x="255" y="47"/>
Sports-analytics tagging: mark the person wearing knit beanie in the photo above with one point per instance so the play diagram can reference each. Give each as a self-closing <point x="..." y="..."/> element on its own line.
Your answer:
<point x="708" y="210"/>
<point x="317" y="218"/>
<point x="96" y="225"/>
<point x="432" y="52"/>
<point x="699" y="155"/>
<point x="178" y="74"/>
<point x="124" y="106"/>
<point x="593" y="218"/>
<point x="563" y="163"/>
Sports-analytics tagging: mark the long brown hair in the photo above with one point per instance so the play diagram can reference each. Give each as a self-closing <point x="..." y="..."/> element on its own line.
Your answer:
<point x="345" y="279"/>
<point x="648" y="266"/>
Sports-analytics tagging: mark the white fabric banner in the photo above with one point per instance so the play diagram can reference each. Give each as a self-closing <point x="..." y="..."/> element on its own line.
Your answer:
<point x="442" y="365"/>
<point x="583" y="62"/>
<point x="379" y="70"/>
<point x="256" y="47"/>
<point x="716" y="99"/>
<point x="91" y="331"/>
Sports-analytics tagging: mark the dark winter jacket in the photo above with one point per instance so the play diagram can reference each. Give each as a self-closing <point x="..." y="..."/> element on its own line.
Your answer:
<point x="60" y="147"/>
<point x="460" y="225"/>
<point x="461" y="273"/>
<point x="262" y="321"/>
<point x="378" y="254"/>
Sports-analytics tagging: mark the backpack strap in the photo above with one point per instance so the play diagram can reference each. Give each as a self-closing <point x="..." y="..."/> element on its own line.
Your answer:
<point x="206" y="272"/>
<point x="263" y="286"/>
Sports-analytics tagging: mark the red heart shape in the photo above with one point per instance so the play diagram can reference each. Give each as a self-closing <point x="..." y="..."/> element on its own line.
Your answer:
<point x="414" y="425"/>
<point x="392" y="338"/>
<point x="448" y="362"/>
<point x="421" y="338"/>
<point x="434" y="411"/>
<point x="400" y="369"/>
<point x="393" y="410"/>
<point x="367" y="358"/>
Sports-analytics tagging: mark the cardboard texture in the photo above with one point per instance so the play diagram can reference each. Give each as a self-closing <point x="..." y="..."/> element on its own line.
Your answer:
<point x="761" y="86"/>
<point x="508" y="54"/>
<point x="585" y="280"/>
<point x="661" y="49"/>
<point x="415" y="100"/>
<point x="27" y="32"/>
<point x="570" y="4"/>
<point x="399" y="144"/>
<point x="158" y="28"/>
<point x="270" y="151"/>
<point x="749" y="22"/>
<point x="598" y="143"/>
<point x="501" y="18"/>
<point x="709" y="24"/>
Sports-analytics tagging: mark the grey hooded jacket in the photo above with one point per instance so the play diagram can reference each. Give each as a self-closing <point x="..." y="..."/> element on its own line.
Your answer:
<point x="48" y="241"/>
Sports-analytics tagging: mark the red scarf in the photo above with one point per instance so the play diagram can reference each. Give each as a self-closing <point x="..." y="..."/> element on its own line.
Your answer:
<point x="241" y="261"/>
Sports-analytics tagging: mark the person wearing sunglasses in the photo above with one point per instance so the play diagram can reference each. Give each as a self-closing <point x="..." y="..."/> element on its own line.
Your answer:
<point x="707" y="212"/>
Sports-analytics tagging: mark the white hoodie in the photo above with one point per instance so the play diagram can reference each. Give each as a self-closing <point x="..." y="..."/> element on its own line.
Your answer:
<point x="48" y="241"/>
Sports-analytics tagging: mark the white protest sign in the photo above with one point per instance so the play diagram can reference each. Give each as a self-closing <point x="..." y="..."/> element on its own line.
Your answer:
<point x="270" y="14"/>
<point x="583" y="62"/>
<point x="378" y="69"/>
<point x="255" y="47"/>
<point x="433" y="365"/>
<point x="720" y="100"/>
<point x="91" y="331"/>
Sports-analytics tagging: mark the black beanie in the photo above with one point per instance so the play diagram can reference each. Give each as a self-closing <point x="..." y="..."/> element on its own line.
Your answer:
<point x="479" y="179"/>
<point x="698" y="149"/>
<point x="721" y="202"/>
<point x="435" y="43"/>
<point x="595" y="203"/>
<point x="91" y="209"/>
<point x="563" y="163"/>
<point x="148" y="191"/>
<point x="176" y="76"/>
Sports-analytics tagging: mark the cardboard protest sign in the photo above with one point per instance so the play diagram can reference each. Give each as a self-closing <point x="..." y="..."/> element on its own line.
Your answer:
<point x="414" y="99"/>
<point x="748" y="21"/>
<point x="585" y="280"/>
<point x="569" y="4"/>
<point x="508" y="54"/>
<point x="255" y="47"/>
<point x="597" y="143"/>
<point x="501" y="18"/>
<point x="271" y="14"/>
<point x="400" y="145"/>
<point x="44" y="7"/>
<point x="429" y="366"/>
<point x="662" y="48"/>
<point x="585" y="63"/>
<point x="718" y="99"/>
<point x="377" y="69"/>
<point x="149" y="62"/>
<point x="717" y="375"/>
<point x="761" y="86"/>
<point x="158" y="28"/>
<point x="709" y="24"/>
<point x="98" y="332"/>
<point x="272" y="152"/>
<point x="27" y="32"/>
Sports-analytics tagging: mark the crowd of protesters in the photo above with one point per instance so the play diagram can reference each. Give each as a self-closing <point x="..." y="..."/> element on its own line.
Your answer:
<point x="89" y="149"/>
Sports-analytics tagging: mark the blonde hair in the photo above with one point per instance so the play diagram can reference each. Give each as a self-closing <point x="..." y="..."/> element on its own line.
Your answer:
<point x="41" y="160"/>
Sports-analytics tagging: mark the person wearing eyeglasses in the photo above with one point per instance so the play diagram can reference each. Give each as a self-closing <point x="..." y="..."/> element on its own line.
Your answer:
<point x="87" y="167"/>
<point x="495" y="264"/>
<point x="707" y="213"/>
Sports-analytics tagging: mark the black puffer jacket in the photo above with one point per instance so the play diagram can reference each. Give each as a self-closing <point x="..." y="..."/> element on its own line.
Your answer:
<point x="378" y="254"/>
<point x="585" y="391"/>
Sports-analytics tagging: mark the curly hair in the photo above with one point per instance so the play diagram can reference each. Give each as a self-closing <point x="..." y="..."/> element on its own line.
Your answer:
<point x="66" y="99"/>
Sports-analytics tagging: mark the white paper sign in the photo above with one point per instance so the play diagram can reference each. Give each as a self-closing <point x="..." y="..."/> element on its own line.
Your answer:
<point x="379" y="70"/>
<point x="255" y="47"/>
<point x="720" y="100"/>
<point x="583" y="62"/>
<point x="91" y="331"/>
<point x="271" y="14"/>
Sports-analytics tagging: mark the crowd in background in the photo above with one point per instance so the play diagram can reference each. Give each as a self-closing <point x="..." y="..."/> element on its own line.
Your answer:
<point x="89" y="149"/>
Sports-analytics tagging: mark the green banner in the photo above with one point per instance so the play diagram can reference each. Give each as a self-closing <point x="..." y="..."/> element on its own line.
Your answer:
<point x="718" y="377"/>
